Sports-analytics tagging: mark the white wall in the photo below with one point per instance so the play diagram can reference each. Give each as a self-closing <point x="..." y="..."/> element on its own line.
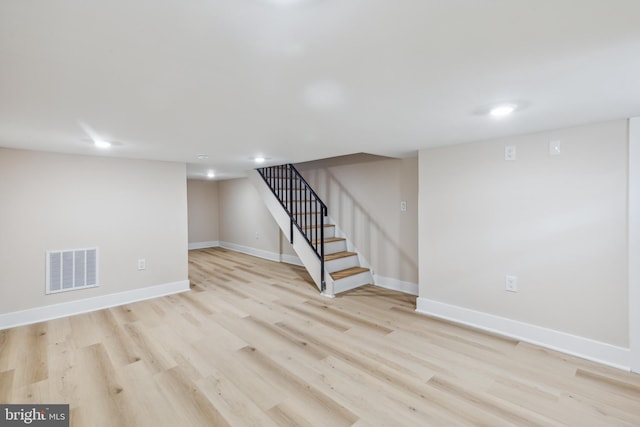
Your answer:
<point x="130" y="209"/>
<point x="202" y="201"/>
<point x="363" y="195"/>
<point x="558" y="223"/>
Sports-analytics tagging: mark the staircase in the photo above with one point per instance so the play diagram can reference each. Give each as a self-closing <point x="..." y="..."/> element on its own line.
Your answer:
<point x="329" y="257"/>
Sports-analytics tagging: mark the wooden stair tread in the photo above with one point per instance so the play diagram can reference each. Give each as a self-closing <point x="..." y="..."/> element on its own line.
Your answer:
<point x="338" y="255"/>
<point x="348" y="272"/>
<point x="330" y="240"/>
<point x="307" y="227"/>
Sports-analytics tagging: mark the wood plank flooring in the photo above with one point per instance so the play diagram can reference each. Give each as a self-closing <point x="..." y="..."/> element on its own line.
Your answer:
<point x="254" y="344"/>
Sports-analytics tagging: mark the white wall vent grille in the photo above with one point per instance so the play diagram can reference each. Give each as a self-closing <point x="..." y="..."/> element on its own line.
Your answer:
<point x="72" y="269"/>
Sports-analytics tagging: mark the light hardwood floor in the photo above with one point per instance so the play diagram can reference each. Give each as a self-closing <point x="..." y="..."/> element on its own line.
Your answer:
<point x="254" y="344"/>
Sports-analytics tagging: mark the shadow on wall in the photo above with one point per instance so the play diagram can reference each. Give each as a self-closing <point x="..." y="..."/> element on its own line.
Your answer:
<point x="379" y="243"/>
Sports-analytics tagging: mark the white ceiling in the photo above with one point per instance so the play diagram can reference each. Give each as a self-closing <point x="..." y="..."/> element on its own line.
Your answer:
<point x="235" y="79"/>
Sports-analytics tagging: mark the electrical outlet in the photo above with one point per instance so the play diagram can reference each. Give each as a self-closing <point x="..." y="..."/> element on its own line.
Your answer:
<point x="403" y="206"/>
<point x="257" y="235"/>
<point x="510" y="152"/>
<point x="511" y="284"/>
<point x="142" y="264"/>
<point x="554" y="148"/>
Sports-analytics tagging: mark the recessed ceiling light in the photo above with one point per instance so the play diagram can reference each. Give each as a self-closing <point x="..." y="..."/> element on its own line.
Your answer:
<point x="210" y="174"/>
<point x="202" y="156"/>
<point x="99" y="143"/>
<point x="502" y="110"/>
<point x="95" y="139"/>
<point x="286" y="3"/>
<point x="259" y="159"/>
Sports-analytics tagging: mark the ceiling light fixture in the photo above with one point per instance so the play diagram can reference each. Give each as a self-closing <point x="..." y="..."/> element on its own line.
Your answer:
<point x="210" y="174"/>
<point x="502" y="110"/>
<point x="202" y="157"/>
<point x="259" y="159"/>
<point x="286" y="3"/>
<point x="97" y="141"/>
<point x="103" y="145"/>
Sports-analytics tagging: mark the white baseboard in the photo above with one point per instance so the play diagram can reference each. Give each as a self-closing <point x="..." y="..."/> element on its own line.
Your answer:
<point x="291" y="259"/>
<point x="586" y="348"/>
<point x="71" y="308"/>
<point x="204" y="245"/>
<point x="395" y="284"/>
<point x="260" y="253"/>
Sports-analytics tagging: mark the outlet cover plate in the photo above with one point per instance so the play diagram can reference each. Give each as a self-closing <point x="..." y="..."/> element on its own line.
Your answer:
<point x="511" y="283"/>
<point x="510" y="152"/>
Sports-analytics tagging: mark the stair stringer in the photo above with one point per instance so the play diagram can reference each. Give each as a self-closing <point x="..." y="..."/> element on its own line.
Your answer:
<point x="307" y="255"/>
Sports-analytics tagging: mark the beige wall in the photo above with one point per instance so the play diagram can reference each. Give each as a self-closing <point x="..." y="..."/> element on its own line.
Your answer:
<point x="130" y="209"/>
<point x="558" y="223"/>
<point x="244" y="219"/>
<point x="231" y="211"/>
<point x="363" y="195"/>
<point x="285" y="247"/>
<point x="202" y="199"/>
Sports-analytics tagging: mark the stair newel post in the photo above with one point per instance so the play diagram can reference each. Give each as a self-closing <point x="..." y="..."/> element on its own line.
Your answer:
<point x="291" y="203"/>
<point x="323" y="212"/>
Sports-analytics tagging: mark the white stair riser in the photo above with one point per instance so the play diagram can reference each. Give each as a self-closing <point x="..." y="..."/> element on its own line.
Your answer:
<point x="341" y="264"/>
<point x="352" y="282"/>
<point x="333" y="247"/>
<point x="307" y="221"/>
<point x="314" y="215"/>
<point x="328" y="233"/>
